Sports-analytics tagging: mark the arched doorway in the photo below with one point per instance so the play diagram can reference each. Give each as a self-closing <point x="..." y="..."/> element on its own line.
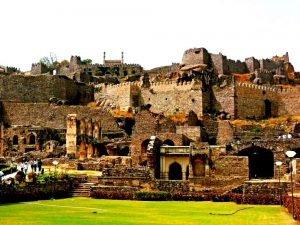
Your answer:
<point x="100" y="150"/>
<point x="15" y="140"/>
<point x="31" y="139"/>
<point x="175" y="171"/>
<point x="144" y="145"/>
<point x="168" y="142"/>
<point x="268" y="108"/>
<point x="261" y="162"/>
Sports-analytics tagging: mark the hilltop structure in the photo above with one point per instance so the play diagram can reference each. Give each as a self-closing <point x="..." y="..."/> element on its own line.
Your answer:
<point x="198" y="127"/>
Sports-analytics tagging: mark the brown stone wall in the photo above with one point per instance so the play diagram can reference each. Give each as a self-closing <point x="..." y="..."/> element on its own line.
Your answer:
<point x="224" y="99"/>
<point x="250" y="100"/>
<point x="191" y="132"/>
<point x="235" y="166"/>
<point x="195" y="56"/>
<point x="225" y="133"/>
<point x="218" y="63"/>
<point x="252" y="64"/>
<point x="46" y="115"/>
<point x="41" y="88"/>
<point x="170" y="98"/>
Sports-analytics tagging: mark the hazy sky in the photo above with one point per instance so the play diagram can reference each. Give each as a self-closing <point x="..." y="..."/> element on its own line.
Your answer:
<point x="151" y="33"/>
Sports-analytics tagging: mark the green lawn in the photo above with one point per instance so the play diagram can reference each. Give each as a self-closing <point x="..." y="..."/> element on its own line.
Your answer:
<point x="93" y="211"/>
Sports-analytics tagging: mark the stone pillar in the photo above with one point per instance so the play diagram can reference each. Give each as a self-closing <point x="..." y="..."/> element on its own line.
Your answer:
<point x="82" y="127"/>
<point x="71" y="136"/>
<point x="90" y="151"/>
<point x="96" y="131"/>
<point x="89" y="130"/>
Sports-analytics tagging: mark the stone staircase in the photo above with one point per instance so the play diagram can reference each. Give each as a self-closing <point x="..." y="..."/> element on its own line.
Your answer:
<point x="82" y="190"/>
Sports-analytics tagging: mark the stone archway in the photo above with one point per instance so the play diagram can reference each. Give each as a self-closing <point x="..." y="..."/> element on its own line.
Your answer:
<point x="168" y="142"/>
<point x="261" y="162"/>
<point x="175" y="171"/>
<point x="31" y="139"/>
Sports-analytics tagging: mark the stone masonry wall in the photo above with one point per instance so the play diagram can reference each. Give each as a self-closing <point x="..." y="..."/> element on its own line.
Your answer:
<point x="169" y="98"/>
<point x="41" y="88"/>
<point x="250" y="100"/>
<point x="196" y="56"/>
<point x="235" y="166"/>
<point x="46" y="115"/>
<point x="252" y="64"/>
<point x="224" y="99"/>
<point x="218" y="63"/>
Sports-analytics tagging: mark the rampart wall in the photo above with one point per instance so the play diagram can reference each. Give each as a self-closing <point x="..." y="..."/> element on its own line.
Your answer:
<point x="252" y="64"/>
<point x="223" y="99"/>
<point x="46" y="115"/>
<point x="41" y="88"/>
<point x="250" y="100"/>
<point x="218" y="63"/>
<point x="164" y="97"/>
<point x="196" y="56"/>
<point x="268" y="64"/>
<point x="169" y="98"/>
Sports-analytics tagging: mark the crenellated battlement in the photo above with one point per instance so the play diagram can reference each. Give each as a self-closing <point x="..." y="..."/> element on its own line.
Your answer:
<point x="153" y="84"/>
<point x="265" y="88"/>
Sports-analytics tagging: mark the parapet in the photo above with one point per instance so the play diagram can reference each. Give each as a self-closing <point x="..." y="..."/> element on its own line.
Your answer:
<point x="264" y="87"/>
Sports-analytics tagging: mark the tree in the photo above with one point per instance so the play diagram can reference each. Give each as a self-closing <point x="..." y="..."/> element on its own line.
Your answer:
<point x="50" y="62"/>
<point x="87" y="61"/>
<point x="64" y="63"/>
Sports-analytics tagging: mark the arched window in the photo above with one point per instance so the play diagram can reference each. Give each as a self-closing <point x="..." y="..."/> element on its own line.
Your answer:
<point x="175" y="171"/>
<point x="168" y="142"/>
<point x="15" y="140"/>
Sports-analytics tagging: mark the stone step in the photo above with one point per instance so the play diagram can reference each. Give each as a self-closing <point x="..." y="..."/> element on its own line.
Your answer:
<point x="80" y="195"/>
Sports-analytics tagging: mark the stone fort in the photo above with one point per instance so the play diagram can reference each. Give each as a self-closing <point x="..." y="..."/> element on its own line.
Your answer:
<point x="205" y="124"/>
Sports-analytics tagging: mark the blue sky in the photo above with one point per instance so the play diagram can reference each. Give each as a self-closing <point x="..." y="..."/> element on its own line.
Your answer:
<point x="151" y="33"/>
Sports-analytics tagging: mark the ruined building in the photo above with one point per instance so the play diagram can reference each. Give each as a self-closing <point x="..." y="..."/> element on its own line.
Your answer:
<point x="185" y="127"/>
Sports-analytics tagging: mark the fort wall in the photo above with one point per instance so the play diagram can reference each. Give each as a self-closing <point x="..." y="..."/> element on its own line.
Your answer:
<point x="224" y="99"/>
<point x="169" y="98"/>
<point x="252" y="64"/>
<point x="51" y="116"/>
<point x="267" y="64"/>
<point x="196" y="56"/>
<point x="41" y="88"/>
<point x="250" y="100"/>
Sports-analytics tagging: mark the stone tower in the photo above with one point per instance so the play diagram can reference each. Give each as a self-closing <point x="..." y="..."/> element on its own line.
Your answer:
<point x="71" y="136"/>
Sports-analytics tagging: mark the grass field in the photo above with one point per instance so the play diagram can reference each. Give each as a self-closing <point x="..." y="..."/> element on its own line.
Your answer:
<point x="93" y="211"/>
